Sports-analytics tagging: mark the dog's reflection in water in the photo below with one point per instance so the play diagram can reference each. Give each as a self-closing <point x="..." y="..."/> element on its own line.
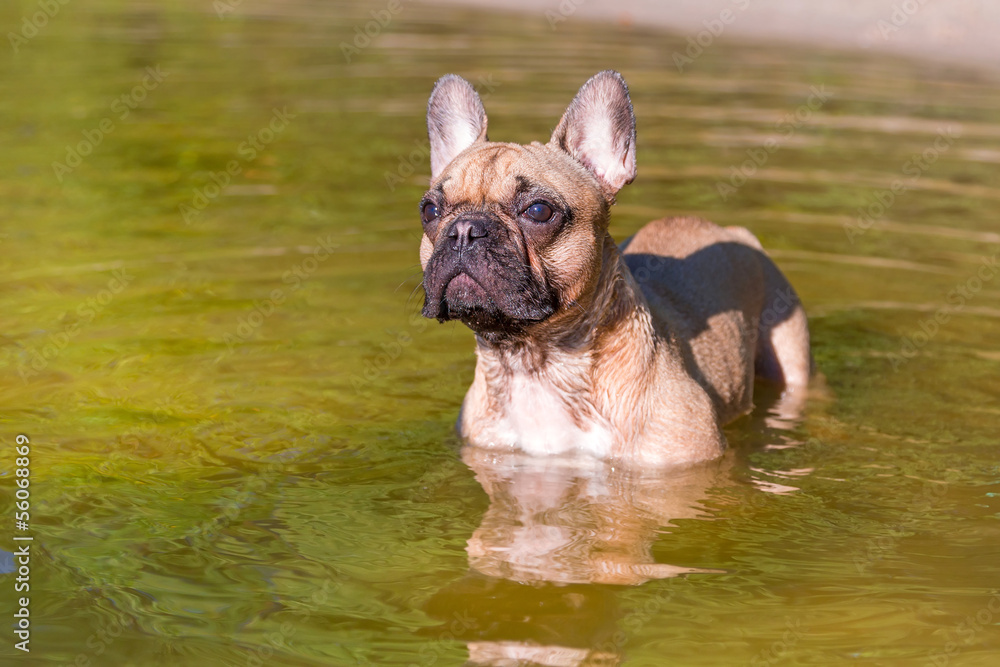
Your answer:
<point x="561" y="526"/>
<point x="571" y="522"/>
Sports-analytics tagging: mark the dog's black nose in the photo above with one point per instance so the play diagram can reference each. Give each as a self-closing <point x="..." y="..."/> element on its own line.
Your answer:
<point x="466" y="231"/>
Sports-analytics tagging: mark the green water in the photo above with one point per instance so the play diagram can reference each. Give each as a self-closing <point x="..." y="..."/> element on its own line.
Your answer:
<point x="241" y="429"/>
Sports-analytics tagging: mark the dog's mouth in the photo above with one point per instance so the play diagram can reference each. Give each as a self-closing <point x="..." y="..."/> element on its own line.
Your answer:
<point x="464" y="289"/>
<point x="467" y="300"/>
<point x="501" y="306"/>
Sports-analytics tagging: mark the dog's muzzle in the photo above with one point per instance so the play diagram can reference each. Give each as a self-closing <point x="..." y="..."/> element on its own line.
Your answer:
<point x="478" y="274"/>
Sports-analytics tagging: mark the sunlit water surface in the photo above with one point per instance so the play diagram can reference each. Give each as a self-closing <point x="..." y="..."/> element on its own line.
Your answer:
<point x="242" y="430"/>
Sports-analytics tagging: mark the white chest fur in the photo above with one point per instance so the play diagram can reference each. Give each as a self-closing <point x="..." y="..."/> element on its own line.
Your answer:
<point x="537" y="420"/>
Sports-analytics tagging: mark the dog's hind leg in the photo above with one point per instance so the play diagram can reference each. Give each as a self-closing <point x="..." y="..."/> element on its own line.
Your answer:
<point x="783" y="334"/>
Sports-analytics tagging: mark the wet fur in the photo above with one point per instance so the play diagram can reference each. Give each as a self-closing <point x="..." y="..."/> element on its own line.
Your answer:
<point x="646" y="353"/>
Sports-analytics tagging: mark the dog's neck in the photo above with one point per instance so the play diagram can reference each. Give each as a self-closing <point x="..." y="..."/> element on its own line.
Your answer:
<point x="592" y="340"/>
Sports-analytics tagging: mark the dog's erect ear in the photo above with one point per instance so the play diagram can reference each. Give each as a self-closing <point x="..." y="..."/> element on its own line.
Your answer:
<point x="598" y="129"/>
<point x="455" y="120"/>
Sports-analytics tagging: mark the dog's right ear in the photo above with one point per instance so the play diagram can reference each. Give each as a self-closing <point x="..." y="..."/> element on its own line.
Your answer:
<point x="456" y="119"/>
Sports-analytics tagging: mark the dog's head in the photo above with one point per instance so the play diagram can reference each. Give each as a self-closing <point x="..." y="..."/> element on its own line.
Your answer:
<point x="514" y="234"/>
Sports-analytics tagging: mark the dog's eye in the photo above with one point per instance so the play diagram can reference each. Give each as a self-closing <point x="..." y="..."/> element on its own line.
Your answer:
<point x="429" y="212"/>
<point x="539" y="212"/>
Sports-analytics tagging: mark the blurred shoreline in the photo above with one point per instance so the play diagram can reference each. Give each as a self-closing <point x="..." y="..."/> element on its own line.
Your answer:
<point x="960" y="32"/>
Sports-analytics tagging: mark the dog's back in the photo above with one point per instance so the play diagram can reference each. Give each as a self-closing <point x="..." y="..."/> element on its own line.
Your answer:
<point x="724" y="306"/>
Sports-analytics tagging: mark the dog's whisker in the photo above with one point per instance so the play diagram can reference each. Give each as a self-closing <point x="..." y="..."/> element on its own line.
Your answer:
<point x="407" y="279"/>
<point x="413" y="292"/>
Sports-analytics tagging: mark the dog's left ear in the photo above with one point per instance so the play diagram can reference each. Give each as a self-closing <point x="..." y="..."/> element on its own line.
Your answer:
<point x="598" y="129"/>
<point x="456" y="119"/>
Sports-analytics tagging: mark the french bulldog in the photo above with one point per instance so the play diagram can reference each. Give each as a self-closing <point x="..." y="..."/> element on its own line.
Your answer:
<point x="638" y="354"/>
